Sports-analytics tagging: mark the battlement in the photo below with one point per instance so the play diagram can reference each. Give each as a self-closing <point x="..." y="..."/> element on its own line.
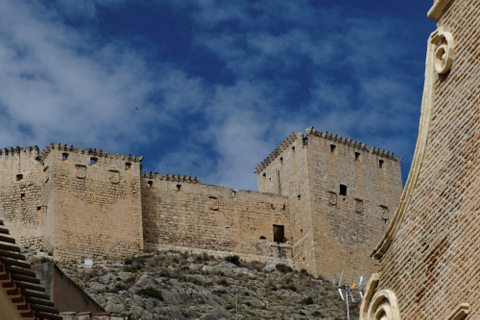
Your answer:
<point x="351" y="143"/>
<point x="167" y="177"/>
<point x="89" y="152"/>
<point x="18" y="150"/>
<point x="284" y="145"/>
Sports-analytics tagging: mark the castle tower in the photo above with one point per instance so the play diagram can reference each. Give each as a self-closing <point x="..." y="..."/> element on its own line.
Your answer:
<point x="341" y="196"/>
<point x="429" y="256"/>
<point x="22" y="195"/>
<point x="93" y="203"/>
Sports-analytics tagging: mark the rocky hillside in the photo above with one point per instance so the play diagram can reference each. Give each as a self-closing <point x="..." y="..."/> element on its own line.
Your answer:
<point x="171" y="285"/>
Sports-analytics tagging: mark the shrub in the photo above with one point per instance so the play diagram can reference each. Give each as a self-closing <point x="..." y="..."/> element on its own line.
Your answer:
<point x="283" y="268"/>
<point x="233" y="259"/>
<point x="150" y="293"/>
<point x="307" y="301"/>
<point x="222" y="282"/>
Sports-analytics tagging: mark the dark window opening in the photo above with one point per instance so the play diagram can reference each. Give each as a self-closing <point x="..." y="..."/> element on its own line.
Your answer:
<point x="380" y="164"/>
<point x="281" y="160"/>
<point x="234" y="193"/>
<point x="93" y="160"/>
<point x="284" y="207"/>
<point x="212" y="197"/>
<point x="64" y="156"/>
<point x="128" y="165"/>
<point x="357" y="156"/>
<point x="299" y="196"/>
<point x="262" y="238"/>
<point x="305" y="141"/>
<point x="293" y="148"/>
<point x="264" y="175"/>
<point x="19" y="177"/>
<point x="179" y="186"/>
<point x="278" y="233"/>
<point x="22" y="196"/>
<point x="39" y="208"/>
<point x="149" y="184"/>
<point x="332" y="148"/>
<point x="271" y="206"/>
<point x="343" y="190"/>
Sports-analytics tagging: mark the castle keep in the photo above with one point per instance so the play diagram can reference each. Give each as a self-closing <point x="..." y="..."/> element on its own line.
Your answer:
<point x="323" y="203"/>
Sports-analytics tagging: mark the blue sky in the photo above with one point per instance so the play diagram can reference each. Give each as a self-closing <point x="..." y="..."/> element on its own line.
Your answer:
<point x="209" y="88"/>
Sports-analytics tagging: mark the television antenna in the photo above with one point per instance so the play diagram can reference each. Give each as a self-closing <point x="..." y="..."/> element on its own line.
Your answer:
<point x="350" y="289"/>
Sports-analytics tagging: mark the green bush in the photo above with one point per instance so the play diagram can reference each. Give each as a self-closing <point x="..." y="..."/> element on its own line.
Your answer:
<point x="150" y="293"/>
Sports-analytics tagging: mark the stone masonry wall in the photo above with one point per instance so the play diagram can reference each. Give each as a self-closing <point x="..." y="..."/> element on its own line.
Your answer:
<point x="21" y="196"/>
<point x="93" y="203"/>
<point x="285" y="172"/>
<point x="182" y="214"/>
<point x="355" y="190"/>
<point x="341" y="195"/>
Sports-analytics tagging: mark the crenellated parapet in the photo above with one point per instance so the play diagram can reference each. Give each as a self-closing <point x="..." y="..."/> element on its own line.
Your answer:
<point x="168" y="177"/>
<point x="351" y="143"/>
<point x="284" y="145"/>
<point x="18" y="150"/>
<point x="88" y="152"/>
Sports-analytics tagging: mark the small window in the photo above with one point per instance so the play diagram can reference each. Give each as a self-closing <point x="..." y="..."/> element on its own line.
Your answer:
<point x="305" y="141"/>
<point x="278" y="233"/>
<point x="357" y="156"/>
<point x="262" y="238"/>
<point x="281" y="160"/>
<point x="380" y="164"/>
<point x="19" y="177"/>
<point x="128" y="165"/>
<point x="22" y="196"/>
<point x="39" y="208"/>
<point x="179" y="186"/>
<point x="332" y="148"/>
<point x="271" y="206"/>
<point x="264" y="175"/>
<point x="299" y="197"/>
<point x="343" y="190"/>
<point x="93" y="160"/>
<point x="293" y="148"/>
<point x="284" y="207"/>
<point x="149" y="184"/>
<point x="234" y="193"/>
<point x="64" y="156"/>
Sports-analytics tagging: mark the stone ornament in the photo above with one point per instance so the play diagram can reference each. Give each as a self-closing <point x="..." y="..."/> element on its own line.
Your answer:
<point x="383" y="305"/>
<point x="444" y="51"/>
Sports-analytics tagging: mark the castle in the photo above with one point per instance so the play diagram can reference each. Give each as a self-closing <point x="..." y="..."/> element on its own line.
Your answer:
<point x="323" y="203"/>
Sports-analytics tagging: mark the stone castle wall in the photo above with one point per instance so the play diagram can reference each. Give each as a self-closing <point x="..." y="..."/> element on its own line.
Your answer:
<point x="341" y="195"/>
<point x="185" y="215"/>
<point x="93" y="204"/>
<point x="84" y="203"/>
<point x="22" y="196"/>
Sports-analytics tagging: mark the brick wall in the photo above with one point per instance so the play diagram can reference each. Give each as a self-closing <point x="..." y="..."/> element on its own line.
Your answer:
<point x="432" y="262"/>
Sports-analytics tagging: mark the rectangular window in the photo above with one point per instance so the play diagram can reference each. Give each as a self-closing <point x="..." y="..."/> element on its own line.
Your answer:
<point x="278" y="233"/>
<point x="343" y="190"/>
